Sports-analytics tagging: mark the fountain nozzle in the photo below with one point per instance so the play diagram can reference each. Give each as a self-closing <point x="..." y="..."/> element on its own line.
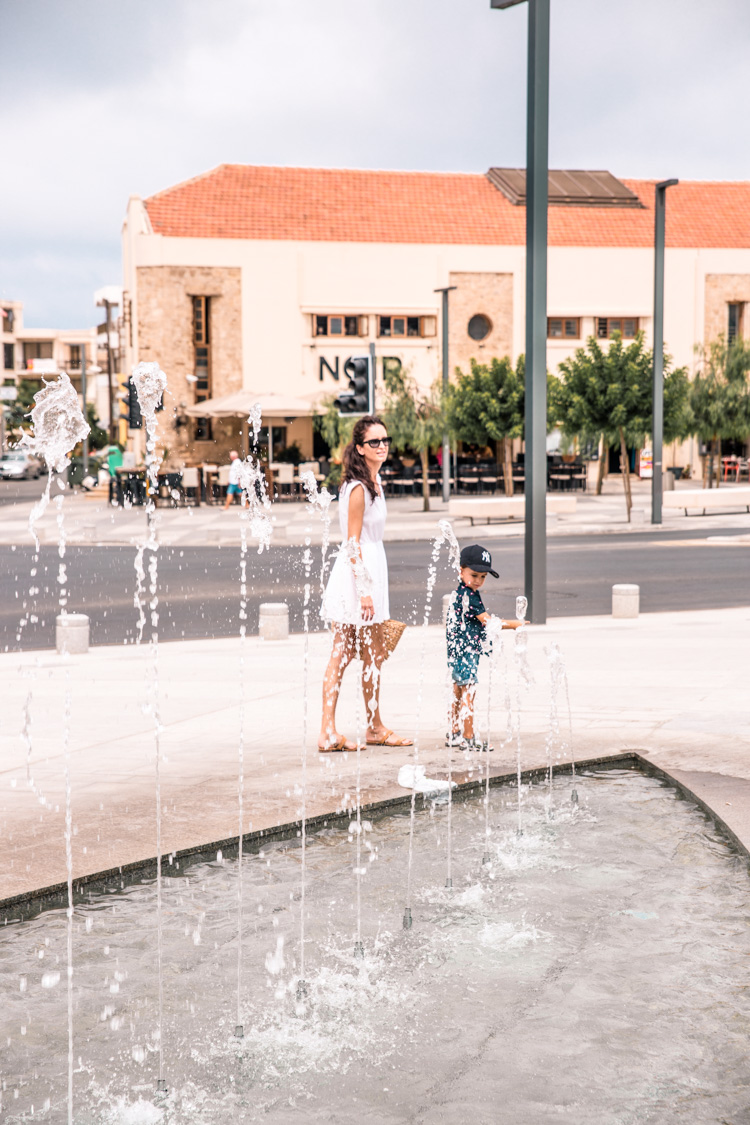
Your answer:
<point x="161" y="1085"/>
<point x="449" y="884"/>
<point x="239" y="1031"/>
<point x="574" y="797"/>
<point x="303" y="990"/>
<point x="359" y="951"/>
<point x="407" y="918"/>
<point x="486" y="859"/>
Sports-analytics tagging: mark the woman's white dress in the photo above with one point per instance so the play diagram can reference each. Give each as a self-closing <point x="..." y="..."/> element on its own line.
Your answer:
<point x="341" y="600"/>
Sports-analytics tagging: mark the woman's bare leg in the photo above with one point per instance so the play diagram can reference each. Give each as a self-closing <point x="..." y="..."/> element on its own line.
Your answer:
<point x="341" y="655"/>
<point x="373" y="654"/>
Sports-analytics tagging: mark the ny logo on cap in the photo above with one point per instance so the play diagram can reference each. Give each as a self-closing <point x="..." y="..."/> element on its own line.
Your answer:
<point x="486" y="556"/>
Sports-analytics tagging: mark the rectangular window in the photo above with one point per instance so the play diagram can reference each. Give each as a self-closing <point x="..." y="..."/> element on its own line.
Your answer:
<point x="7" y="319"/>
<point x="734" y="322"/>
<point x="36" y="349"/>
<point x="202" y="361"/>
<point x="563" y="328"/>
<point x="8" y="363"/>
<point x="74" y="357"/>
<point x="627" y="326"/>
<point x="339" y="325"/>
<point x="401" y="326"/>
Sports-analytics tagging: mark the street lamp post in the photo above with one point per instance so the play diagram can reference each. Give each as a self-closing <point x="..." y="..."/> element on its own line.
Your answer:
<point x="657" y="480"/>
<point x="445" y="360"/>
<point x="85" y="412"/>
<point x="537" y="175"/>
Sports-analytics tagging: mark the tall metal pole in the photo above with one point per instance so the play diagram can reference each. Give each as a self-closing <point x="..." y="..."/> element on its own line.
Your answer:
<point x="537" y="173"/>
<point x="85" y="413"/>
<point x="446" y="376"/>
<point x="657" y="480"/>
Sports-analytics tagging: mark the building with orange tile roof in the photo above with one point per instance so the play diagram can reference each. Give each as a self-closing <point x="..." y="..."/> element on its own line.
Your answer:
<point x="268" y="279"/>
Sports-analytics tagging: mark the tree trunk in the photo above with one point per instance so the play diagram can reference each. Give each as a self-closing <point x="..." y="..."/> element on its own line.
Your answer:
<point x="424" y="457"/>
<point x="601" y="467"/>
<point x="718" y="461"/>
<point x="625" y="470"/>
<point x="508" y="466"/>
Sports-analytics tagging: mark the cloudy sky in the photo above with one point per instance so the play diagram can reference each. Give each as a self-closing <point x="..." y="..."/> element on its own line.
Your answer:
<point x="103" y="100"/>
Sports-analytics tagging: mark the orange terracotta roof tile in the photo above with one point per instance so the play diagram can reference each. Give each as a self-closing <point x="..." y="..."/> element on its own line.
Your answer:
<point x="322" y="204"/>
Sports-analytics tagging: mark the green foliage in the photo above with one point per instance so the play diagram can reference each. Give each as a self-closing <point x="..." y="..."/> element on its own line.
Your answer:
<point x="15" y="417"/>
<point x="98" y="437"/>
<point x="610" y="390"/>
<point x="719" y="394"/>
<point x="488" y="403"/>
<point x="335" y="429"/>
<point x="413" y="418"/>
<point x="291" y="454"/>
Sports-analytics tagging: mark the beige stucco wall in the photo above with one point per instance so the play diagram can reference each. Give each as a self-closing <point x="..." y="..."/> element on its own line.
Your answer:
<point x="280" y="284"/>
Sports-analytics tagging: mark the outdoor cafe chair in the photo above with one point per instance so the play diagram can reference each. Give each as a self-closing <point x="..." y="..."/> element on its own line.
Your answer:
<point x="191" y="484"/>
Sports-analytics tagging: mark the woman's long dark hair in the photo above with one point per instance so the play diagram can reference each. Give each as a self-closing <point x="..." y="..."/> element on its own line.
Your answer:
<point x="355" y="466"/>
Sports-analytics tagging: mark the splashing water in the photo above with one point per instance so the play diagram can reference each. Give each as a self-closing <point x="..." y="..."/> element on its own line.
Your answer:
<point x="317" y="502"/>
<point x="454" y="558"/>
<point x="494" y="647"/>
<point x="150" y="382"/>
<point x="255" y="421"/>
<point x="524" y="680"/>
<point x="444" y="536"/>
<point x="58" y="426"/>
<point x="559" y="682"/>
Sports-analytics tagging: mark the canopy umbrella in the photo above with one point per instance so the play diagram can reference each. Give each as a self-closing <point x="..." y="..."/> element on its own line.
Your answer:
<point x="240" y="403"/>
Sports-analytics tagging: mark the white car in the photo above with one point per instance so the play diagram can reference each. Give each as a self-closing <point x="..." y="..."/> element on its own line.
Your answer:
<point x="17" y="465"/>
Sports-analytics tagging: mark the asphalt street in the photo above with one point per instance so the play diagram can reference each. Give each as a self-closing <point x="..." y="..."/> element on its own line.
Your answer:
<point x="199" y="588"/>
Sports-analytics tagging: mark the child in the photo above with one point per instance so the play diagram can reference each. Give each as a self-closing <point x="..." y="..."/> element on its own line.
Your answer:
<point x="466" y="636"/>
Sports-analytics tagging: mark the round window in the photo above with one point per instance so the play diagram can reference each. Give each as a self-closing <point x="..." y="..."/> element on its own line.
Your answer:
<point x="479" y="327"/>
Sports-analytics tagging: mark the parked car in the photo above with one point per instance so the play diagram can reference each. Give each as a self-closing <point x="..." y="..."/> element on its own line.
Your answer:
<point x="18" y="465"/>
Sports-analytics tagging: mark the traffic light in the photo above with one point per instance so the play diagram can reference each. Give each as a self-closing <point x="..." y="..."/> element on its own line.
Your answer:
<point x="130" y="405"/>
<point x="359" y="399"/>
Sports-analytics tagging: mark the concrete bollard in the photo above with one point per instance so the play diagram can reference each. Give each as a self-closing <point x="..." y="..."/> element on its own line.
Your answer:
<point x="72" y="633"/>
<point x="274" y="621"/>
<point x="625" y="600"/>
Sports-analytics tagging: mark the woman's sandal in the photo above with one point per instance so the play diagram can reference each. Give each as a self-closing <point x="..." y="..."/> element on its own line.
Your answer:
<point x="339" y="744"/>
<point x="384" y="738"/>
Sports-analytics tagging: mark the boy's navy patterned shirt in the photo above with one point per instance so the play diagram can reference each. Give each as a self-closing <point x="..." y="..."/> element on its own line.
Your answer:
<point x="464" y="633"/>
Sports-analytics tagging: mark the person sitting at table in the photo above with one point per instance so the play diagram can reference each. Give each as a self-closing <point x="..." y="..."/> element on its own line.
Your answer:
<point x="233" y="488"/>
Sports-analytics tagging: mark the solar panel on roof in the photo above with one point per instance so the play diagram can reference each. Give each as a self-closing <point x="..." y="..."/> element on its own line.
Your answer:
<point x="567" y="188"/>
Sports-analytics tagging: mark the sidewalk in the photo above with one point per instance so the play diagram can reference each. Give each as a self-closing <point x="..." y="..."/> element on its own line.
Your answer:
<point x="673" y="686"/>
<point x="91" y="520"/>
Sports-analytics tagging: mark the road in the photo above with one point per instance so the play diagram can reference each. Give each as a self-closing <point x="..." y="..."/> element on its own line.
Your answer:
<point x="199" y="586"/>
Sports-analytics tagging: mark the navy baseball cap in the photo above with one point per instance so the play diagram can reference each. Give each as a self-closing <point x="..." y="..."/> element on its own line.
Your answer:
<point x="479" y="559"/>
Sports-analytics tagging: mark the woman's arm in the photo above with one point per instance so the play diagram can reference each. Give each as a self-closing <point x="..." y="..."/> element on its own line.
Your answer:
<point x="354" y="530"/>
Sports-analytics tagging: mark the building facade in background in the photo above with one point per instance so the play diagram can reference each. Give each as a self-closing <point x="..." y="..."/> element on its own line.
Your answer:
<point x="268" y="279"/>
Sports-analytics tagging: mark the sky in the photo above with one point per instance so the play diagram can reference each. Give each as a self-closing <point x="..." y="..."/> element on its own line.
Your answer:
<point x="102" y="101"/>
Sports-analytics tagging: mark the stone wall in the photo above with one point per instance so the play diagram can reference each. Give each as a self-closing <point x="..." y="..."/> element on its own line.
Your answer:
<point x="724" y="289"/>
<point x="489" y="294"/>
<point x="165" y="334"/>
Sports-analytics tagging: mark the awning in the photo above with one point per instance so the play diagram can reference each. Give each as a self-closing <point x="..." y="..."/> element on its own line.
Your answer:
<point x="241" y="403"/>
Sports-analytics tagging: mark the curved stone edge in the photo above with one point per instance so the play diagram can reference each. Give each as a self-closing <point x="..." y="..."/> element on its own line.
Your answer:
<point x="20" y="907"/>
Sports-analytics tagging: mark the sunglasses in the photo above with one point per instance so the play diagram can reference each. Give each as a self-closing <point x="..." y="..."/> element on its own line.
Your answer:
<point x="375" y="442"/>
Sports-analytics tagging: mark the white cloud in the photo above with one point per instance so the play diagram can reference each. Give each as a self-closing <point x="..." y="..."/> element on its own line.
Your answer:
<point x="100" y="102"/>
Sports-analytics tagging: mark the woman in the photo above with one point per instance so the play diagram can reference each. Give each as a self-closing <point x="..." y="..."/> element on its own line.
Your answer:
<point x="356" y="597"/>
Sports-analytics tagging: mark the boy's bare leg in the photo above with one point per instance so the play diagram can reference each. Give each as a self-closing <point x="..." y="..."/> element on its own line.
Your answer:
<point x="341" y="655"/>
<point x="456" y="709"/>
<point x="466" y="709"/>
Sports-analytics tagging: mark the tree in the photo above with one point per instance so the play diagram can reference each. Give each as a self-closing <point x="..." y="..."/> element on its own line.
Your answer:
<point x="610" y="393"/>
<point x="720" y="398"/>
<point x="414" y="419"/>
<point x="488" y="405"/>
<point x="16" y="418"/>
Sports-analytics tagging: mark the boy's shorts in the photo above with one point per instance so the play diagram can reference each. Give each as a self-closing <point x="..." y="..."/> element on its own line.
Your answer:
<point x="465" y="669"/>
<point x="233" y="490"/>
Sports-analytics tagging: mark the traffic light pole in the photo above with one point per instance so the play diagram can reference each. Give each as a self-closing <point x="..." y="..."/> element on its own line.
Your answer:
<point x="445" y="357"/>
<point x="110" y="373"/>
<point x="657" y="480"/>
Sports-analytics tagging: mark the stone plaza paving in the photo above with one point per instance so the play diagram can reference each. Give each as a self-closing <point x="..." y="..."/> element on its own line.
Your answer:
<point x="673" y="686"/>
